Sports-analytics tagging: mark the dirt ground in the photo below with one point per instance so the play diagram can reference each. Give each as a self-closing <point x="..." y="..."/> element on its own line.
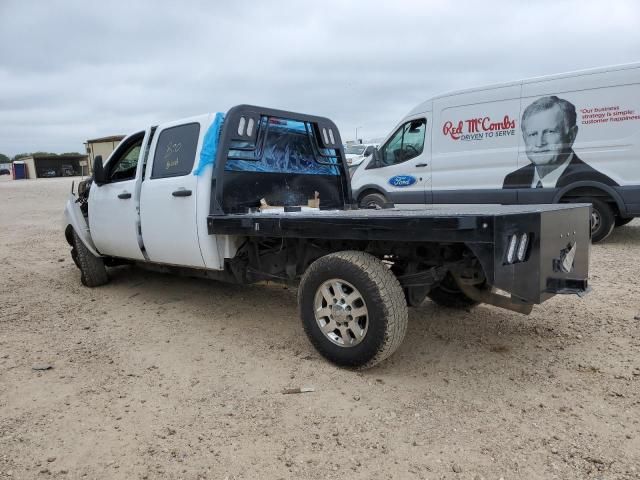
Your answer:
<point x="155" y="376"/>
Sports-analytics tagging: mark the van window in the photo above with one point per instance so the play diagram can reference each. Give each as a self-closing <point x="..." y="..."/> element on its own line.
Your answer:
<point x="405" y="144"/>
<point x="176" y="151"/>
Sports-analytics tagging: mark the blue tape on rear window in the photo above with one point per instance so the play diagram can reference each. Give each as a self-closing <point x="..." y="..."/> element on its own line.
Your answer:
<point x="210" y="144"/>
<point x="288" y="149"/>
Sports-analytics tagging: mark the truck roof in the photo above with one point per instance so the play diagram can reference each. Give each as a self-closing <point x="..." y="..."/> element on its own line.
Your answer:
<point x="426" y="105"/>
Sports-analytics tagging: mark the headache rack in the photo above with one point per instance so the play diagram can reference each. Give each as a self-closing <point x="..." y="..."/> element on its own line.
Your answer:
<point x="280" y="156"/>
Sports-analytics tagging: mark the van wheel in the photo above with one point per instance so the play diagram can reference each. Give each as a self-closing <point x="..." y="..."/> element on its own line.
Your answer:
<point x="93" y="273"/>
<point x="448" y="294"/>
<point x="352" y="309"/>
<point x="602" y="218"/>
<point x="621" y="221"/>
<point x="373" y="200"/>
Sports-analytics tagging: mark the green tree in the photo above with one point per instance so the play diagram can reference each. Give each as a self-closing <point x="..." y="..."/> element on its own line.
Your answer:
<point x="4" y="158"/>
<point x="19" y="156"/>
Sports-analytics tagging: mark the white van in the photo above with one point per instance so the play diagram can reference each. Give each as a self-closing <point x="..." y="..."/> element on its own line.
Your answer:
<point x="572" y="137"/>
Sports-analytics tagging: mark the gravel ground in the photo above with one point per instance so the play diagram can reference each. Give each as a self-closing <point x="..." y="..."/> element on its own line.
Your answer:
<point x="156" y="376"/>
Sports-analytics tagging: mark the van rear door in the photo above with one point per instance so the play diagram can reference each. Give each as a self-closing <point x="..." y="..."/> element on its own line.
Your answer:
<point x="581" y="130"/>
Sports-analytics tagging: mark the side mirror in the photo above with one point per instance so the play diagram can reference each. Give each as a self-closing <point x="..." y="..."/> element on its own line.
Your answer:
<point x="375" y="158"/>
<point x="99" y="177"/>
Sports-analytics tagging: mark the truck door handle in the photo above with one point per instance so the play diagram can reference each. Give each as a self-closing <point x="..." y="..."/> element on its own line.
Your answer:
<point x="422" y="165"/>
<point x="124" y="195"/>
<point x="182" y="193"/>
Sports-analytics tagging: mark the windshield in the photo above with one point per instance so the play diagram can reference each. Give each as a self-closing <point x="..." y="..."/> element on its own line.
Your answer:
<point x="355" y="149"/>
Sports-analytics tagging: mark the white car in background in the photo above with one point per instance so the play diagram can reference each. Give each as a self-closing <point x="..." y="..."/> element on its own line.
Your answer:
<point x="356" y="153"/>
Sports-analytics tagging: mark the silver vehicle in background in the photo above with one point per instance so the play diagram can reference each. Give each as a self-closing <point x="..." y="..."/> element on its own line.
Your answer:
<point x="358" y="152"/>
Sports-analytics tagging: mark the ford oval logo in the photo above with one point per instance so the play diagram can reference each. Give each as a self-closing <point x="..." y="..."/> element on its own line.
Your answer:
<point x="402" y="180"/>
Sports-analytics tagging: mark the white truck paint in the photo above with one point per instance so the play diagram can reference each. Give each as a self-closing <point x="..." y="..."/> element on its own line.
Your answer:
<point x="131" y="218"/>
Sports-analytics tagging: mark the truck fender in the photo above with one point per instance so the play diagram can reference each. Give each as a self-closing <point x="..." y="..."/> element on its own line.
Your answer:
<point x="74" y="220"/>
<point x="622" y="208"/>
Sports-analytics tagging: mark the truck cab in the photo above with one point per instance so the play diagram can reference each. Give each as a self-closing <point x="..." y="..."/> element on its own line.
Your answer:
<point x="149" y="176"/>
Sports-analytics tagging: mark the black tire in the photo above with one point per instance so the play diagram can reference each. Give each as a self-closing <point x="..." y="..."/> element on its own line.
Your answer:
<point x="382" y="296"/>
<point x="74" y="256"/>
<point x="448" y="294"/>
<point x="93" y="273"/>
<point x="373" y="200"/>
<point x="621" y="221"/>
<point x="602" y="218"/>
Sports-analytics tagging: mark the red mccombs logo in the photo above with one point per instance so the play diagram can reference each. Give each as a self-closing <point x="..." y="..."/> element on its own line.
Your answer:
<point x="479" y="128"/>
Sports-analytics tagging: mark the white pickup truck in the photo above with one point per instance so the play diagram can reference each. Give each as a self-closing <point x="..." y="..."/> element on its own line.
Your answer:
<point x="264" y="195"/>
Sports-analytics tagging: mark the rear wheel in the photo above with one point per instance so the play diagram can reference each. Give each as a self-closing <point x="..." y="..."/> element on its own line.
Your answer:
<point x="352" y="308"/>
<point x="373" y="200"/>
<point x="448" y="294"/>
<point x="602" y="218"/>
<point x="93" y="273"/>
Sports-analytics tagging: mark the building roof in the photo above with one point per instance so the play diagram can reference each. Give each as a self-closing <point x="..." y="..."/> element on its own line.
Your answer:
<point x="39" y="156"/>
<point x="112" y="138"/>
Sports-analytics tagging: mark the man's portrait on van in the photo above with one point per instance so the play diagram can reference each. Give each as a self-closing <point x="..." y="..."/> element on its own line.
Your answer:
<point x="549" y="129"/>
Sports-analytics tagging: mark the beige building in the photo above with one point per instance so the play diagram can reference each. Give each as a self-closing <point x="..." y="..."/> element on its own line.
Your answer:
<point x="101" y="146"/>
<point x="44" y="166"/>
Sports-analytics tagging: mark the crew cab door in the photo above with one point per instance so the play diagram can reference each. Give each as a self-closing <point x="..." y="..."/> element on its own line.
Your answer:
<point x="113" y="216"/>
<point x="403" y="167"/>
<point x="168" y="207"/>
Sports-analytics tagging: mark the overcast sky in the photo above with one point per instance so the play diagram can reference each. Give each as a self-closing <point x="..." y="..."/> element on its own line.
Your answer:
<point x="70" y="70"/>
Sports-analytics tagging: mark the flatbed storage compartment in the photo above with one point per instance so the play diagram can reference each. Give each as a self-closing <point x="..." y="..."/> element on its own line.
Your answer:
<point x="551" y="263"/>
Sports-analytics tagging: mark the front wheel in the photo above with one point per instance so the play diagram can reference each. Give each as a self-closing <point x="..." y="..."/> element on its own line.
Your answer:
<point x="352" y="309"/>
<point x="373" y="200"/>
<point x="93" y="273"/>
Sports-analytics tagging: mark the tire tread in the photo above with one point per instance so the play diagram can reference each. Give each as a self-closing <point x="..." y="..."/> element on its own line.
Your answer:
<point x="92" y="268"/>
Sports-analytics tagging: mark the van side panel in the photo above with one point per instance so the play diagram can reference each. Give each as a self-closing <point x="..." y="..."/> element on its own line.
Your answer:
<point x="480" y="154"/>
<point x="607" y="106"/>
<point x="475" y="144"/>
